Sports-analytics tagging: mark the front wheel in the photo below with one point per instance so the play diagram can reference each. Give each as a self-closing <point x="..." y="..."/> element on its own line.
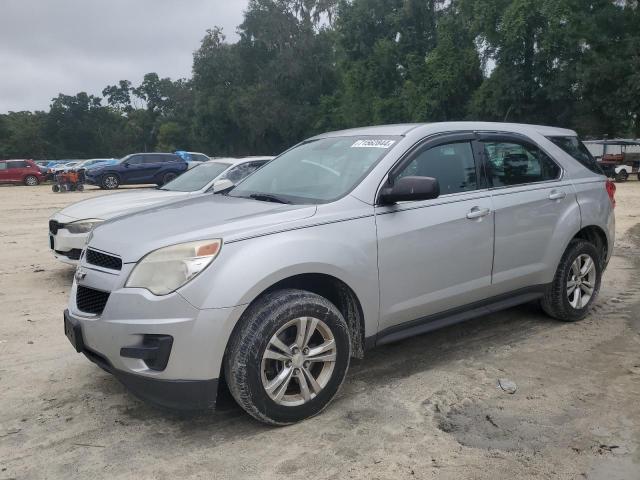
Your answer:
<point x="31" y="181"/>
<point x="576" y="283"/>
<point x="288" y="357"/>
<point x="110" y="182"/>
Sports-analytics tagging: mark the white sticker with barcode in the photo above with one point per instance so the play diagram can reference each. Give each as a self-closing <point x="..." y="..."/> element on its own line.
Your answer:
<point x="373" y="143"/>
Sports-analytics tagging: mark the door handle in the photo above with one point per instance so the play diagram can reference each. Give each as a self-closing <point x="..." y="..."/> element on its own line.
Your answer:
<point x="477" y="212"/>
<point x="555" y="195"/>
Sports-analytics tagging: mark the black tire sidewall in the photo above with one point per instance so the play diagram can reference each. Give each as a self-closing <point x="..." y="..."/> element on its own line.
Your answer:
<point x="269" y="320"/>
<point x="579" y="249"/>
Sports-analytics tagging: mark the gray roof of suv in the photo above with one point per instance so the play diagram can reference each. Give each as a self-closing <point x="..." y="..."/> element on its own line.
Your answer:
<point x="440" y="127"/>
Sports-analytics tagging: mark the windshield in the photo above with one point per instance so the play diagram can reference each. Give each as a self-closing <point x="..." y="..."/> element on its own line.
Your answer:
<point x="196" y="178"/>
<point x="317" y="171"/>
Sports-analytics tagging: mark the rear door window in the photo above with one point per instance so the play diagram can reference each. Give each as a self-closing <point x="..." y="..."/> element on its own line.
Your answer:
<point x="574" y="147"/>
<point x="514" y="163"/>
<point x="16" y="165"/>
<point x="152" y="159"/>
<point x="135" y="160"/>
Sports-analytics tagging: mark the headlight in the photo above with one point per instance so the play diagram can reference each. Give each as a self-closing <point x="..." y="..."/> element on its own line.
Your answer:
<point x="165" y="270"/>
<point x="83" y="226"/>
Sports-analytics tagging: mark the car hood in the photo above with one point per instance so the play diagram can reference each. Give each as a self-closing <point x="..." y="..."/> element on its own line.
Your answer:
<point x="204" y="217"/>
<point x="116" y="204"/>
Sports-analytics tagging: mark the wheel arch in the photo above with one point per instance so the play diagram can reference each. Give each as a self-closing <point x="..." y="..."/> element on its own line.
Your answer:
<point x="337" y="292"/>
<point x="597" y="236"/>
<point x="111" y="172"/>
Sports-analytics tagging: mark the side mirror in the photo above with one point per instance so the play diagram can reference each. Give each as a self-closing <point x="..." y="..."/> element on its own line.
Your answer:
<point x="408" y="189"/>
<point x="223" y="185"/>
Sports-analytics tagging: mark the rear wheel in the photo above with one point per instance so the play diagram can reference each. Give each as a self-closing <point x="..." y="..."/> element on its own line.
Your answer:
<point x="31" y="180"/>
<point x="288" y="357"/>
<point x="110" y="182"/>
<point x="55" y="188"/>
<point x="622" y="176"/>
<point x="576" y="283"/>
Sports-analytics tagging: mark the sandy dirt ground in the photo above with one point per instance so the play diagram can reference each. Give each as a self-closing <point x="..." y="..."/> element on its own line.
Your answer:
<point x="424" y="408"/>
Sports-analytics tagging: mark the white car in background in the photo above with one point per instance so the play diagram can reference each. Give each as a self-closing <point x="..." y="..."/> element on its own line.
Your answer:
<point x="70" y="227"/>
<point x="65" y="166"/>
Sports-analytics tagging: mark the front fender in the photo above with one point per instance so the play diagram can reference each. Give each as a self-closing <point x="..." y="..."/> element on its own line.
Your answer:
<point x="346" y="250"/>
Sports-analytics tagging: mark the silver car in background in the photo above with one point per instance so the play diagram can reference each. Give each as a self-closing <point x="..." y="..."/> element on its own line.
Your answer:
<point x="69" y="228"/>
<point x="347" y="241"/>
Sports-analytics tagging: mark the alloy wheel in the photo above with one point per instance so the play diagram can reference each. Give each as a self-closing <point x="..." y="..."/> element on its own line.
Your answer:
<point x="298" y="361"/>
<point x="581" y="281"/>
<point x="110" y="182"/>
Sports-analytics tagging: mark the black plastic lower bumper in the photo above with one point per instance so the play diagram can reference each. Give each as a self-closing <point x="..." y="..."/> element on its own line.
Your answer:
<point x="173" y="394"/>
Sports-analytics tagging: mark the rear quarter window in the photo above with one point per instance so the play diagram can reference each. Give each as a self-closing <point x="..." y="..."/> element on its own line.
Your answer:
<point x="574" y="147"/>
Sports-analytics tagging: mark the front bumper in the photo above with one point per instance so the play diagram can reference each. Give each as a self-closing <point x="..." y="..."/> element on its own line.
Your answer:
<point x="189" y="379"/>
<point x="173" y="394"/>
<point x="66" y="246"/>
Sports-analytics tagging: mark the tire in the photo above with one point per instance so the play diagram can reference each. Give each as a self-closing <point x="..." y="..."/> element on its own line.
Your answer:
<point x="80" y="187"/>
<point x="55" y="188"/>
<point x="556" y="302"/>
<point x="622" y="176"/>
<point x="278" y="315"/>
<point x="110" y="182"/>
<point x="168" y="177"/>
<point x="31" y="181"/>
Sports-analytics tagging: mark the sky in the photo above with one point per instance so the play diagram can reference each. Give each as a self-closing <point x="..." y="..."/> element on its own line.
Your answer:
<point x="69" y="46"/>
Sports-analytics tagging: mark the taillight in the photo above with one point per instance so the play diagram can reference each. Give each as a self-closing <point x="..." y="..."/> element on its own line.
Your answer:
<point x="611" y="191"/>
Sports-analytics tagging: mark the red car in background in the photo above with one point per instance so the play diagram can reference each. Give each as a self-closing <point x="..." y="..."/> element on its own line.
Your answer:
<point x="20" y="171"/>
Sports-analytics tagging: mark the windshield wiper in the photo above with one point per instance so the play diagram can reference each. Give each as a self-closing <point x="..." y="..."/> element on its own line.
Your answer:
<point x="266" y="197"/>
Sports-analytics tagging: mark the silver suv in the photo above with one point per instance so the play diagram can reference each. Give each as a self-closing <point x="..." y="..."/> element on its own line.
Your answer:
<point x="347" y="241"/>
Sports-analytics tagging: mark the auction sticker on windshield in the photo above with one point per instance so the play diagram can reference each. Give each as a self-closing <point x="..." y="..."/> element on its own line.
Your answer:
<point x="373" y="144"/>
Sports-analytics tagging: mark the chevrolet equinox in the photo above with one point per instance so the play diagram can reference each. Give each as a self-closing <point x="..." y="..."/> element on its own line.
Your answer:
<point x="347" y="241"/>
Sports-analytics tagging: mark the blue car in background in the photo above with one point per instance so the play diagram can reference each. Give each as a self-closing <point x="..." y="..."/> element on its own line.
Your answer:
<point x="137" y="169"/>
<point x="93" y="162"/>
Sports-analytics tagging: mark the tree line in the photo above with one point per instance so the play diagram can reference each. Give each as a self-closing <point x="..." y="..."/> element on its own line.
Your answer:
<point x="301" y="67"/>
